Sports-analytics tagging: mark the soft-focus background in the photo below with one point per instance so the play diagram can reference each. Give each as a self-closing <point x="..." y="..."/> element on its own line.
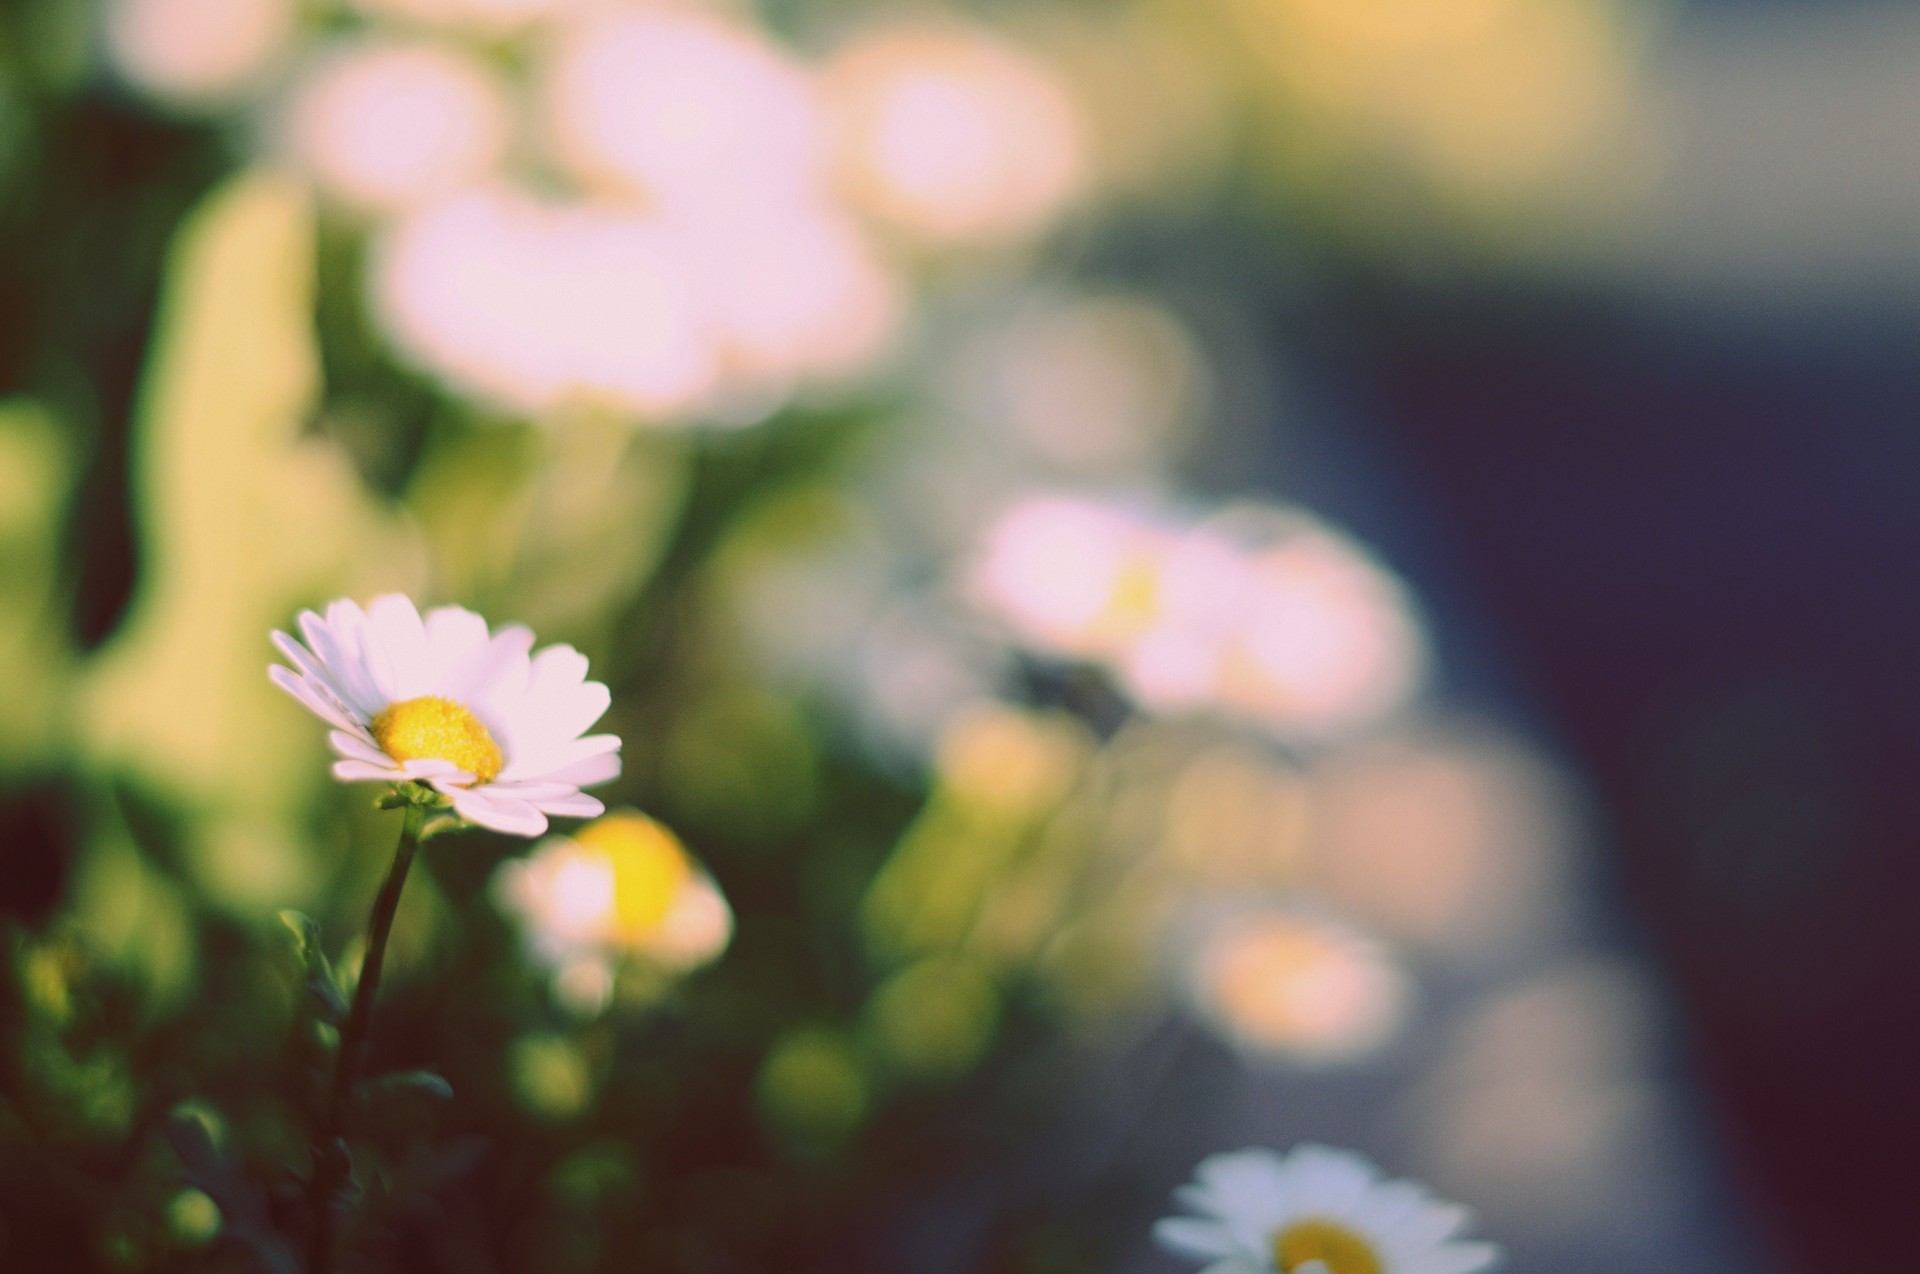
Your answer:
<point x="1195" y="573"/>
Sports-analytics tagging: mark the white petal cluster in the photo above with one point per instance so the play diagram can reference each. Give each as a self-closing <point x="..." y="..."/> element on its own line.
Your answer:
<point x="534" y="305"/>
<point x="1259" y="614"/>
<point x="536" y="706"/>
<point x="952" y="137"/>
<point x="1248" y="1200"/>
<point x="383" y="125"/>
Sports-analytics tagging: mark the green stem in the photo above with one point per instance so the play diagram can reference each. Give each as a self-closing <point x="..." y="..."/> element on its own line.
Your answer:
<point x="329" y="1158"/>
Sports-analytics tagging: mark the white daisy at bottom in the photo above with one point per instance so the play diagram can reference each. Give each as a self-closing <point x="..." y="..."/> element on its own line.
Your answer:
<point x="440" y="700"/>
<point x="1316" y="1210"/>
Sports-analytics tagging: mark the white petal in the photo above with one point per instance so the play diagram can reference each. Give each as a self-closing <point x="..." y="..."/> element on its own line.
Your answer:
<point x="1190" y="1236"/>
<point x="1244" y="1184"/>
<point x="355" y="747"/>
<point x="564" y="713"/>
<point x="456" y="639"/>
<point x="1195" y="1198"/>
<point x="432" y="769"/>
<point x="551" y="760"/>
<point x="1322" y="1179"/>
<point x="1462" y="1258"/>
<point x="399" y="648"/>
<point x="578" y="805"/>
<point x="1452" y="1218"/>
<point x="361" y="772"/>
<point x="516" y="818"/>
<point x="536" y="790"/>
<point x="312" y="670"/>
<point x="313" y="697"/>
<point x="547" y="722"/>
<point x="339" y="642"/>
<point x="587" y="772"/>
<point x="1404" y="1212"/>
<point x="576" y="710"/>
<point x="555" y="670"/>
<point x="498" y="675"/>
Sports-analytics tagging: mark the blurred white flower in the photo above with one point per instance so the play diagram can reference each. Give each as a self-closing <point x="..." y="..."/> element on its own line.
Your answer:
<point x="684" y="110"/>
<point x="621" y="886"/>
<point x="383" y="125"/>
<point x="1290" y="985"/>
<point x="533" y="306"/>
<point x="1258" y="614"/>
<point x="794" y="289"/>
<point x="1316" y="1210"/>
<point x="481" y="17"/>
<point x="440" y="701"/>
<point x="953" y="136"/>
<point x="1072" y="576"/>
<point x="198" y="53"/>
<point x="1329" y="640"/>
<point x="1197" y="609"/>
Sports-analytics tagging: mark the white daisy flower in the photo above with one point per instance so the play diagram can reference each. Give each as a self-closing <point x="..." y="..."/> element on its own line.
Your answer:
<point x="1316" y="1211"/>
<point x="441" y="701"/>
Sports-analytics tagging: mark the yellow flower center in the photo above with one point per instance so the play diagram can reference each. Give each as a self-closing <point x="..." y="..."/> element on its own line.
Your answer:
<point x="432" y="728"/>
<point x="1134" y="603"/>
<point x="649" y="868"/>
<point x="1336" y="1247"/>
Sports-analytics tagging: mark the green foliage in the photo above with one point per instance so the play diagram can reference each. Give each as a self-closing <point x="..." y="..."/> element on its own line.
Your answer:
<point x="36" y="485"/>
<point x="329" y="999"/>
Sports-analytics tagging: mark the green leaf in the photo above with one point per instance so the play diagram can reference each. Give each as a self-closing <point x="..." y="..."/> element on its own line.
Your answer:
<point x="306" y="934"/>
<point x="322" y="984"/>
<point x="334" y="1006"/>
<point x="414" y="1083"/>
<point x="37" y="475"/>
<point x="187" y="1132"/>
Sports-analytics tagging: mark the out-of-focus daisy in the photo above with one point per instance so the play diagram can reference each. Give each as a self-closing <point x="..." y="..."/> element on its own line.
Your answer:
<point x="620" y="886"/>
<point x="439" y="700"/>
<point x="387" y="124"/>
<point x="1155" y="602"/>
<point x="1316" y="1210"/>
<point x="1260" y="613"/>
<point x="1329" y="640"/>
<point x="536" y="306"/>
<point x="1072" y="575"/>
<point x="198" y="53"/>
<point x="792" y="288"/>
<point x="685" y="110"/>
<point x="1286" y="984"/>
<point x="953" y="136"/>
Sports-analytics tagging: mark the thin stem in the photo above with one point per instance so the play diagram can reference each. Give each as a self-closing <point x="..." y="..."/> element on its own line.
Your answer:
<point x="330" y="1164"/>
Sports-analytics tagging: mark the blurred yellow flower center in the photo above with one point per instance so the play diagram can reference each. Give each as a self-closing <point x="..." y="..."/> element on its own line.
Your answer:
<point x="1135" y="601"/>
<point x="1336" y="1247"/>
<point x="432" y="728"/>
<point x="649" y="868"/>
